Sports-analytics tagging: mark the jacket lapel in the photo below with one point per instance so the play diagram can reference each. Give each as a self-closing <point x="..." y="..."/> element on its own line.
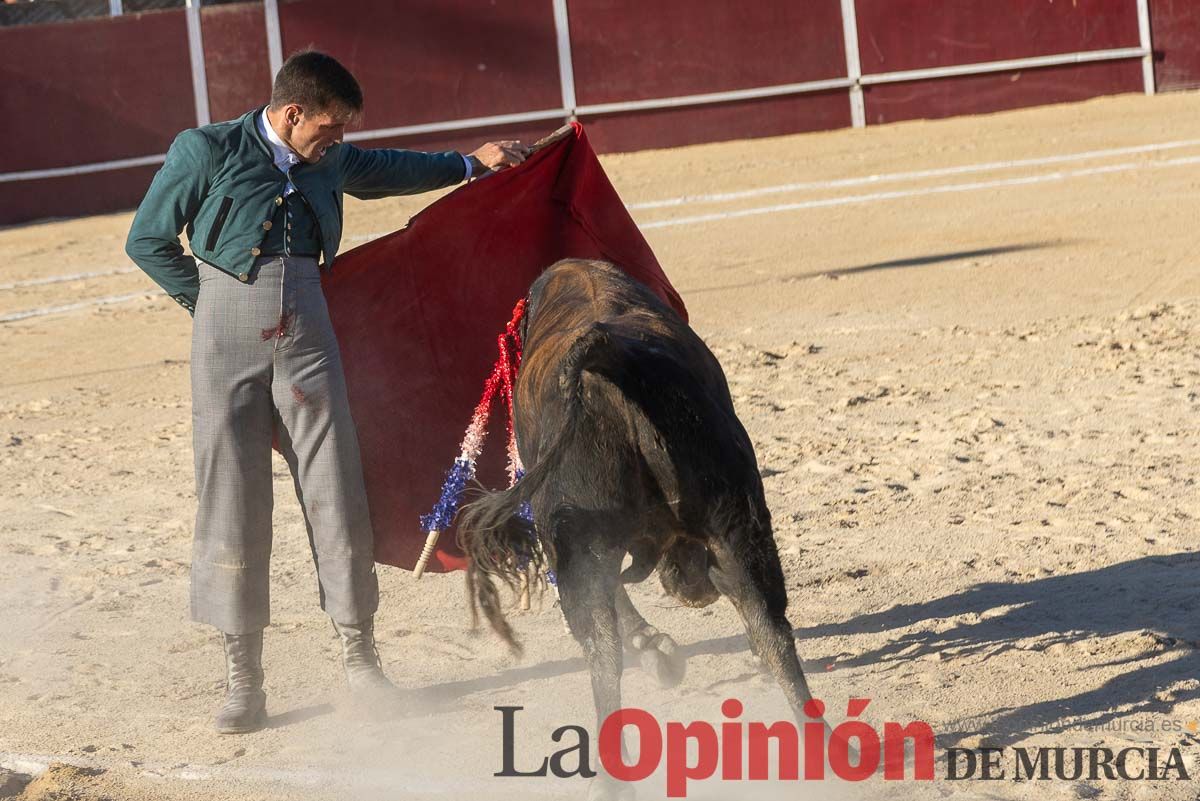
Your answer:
<point x="250" y="126"/>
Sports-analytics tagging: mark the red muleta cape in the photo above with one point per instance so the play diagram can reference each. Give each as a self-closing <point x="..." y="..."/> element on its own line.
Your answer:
<point x="417" y="314"/>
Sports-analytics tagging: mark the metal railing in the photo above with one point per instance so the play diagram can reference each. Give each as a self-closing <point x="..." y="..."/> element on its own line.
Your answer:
<point x="853" y="83"/>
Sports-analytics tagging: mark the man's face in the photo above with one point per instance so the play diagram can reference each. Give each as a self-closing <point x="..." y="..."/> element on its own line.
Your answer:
<point x="312" y="133"/>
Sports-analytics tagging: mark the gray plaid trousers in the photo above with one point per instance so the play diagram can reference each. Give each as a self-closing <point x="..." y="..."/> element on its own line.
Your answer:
<point x="264" y="357"/>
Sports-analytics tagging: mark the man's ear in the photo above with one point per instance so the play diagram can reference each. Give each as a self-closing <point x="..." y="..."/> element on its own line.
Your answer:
<point x="292" y="113"/>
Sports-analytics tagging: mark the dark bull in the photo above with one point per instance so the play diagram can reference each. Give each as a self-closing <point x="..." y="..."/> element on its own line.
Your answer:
<point x="624" y="421"/>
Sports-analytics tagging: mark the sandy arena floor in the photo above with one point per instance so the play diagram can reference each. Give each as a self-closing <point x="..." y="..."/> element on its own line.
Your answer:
<point x="966" y="355"/>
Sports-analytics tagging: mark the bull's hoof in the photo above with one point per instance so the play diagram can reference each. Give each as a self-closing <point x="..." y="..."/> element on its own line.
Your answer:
<point x="605" y="788"/>
<point x="660" y="656"/>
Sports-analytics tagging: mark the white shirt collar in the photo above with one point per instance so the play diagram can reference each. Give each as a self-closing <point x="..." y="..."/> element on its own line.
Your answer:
<point x="284" y="157"/>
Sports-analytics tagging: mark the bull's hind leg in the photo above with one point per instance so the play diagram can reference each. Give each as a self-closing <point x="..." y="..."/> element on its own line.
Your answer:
<point x="657" y="652"/>
<point x="749" y="574"/>
<point x="588" y="580"/>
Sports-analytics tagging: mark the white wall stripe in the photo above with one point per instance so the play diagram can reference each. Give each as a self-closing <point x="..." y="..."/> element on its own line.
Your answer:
<point x="196" y="53"/>
<point x="719" y="197"/>
<point x="906" y="193"/>
<point x="457" y="125"/>
<point x="566" y="66"/>
<point x="1007" y="65"/>
<point x="141" y="161"/>
<point x="100" y="166"/>
<point x="716" y="97"/>
<point x="595" y="109"/>
<point x="1145" y="40"/>
<point x="274" y="38"/>
<point x="858" y="111"/>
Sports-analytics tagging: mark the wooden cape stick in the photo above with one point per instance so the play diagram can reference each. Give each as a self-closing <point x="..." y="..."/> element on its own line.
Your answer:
<point x="432" y="538"/>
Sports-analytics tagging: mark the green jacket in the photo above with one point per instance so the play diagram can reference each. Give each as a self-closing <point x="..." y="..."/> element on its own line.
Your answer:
<point x="220" y="183"/>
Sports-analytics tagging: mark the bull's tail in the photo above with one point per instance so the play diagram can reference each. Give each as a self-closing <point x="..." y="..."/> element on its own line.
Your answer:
<point x="498" y="540"/>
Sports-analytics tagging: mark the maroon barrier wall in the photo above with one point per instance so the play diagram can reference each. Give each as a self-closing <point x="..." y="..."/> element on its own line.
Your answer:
<point x="235" y="59"/>
<point x="437" y="60"/>
<point x="632" y="50"/>
<point x="73" y="195"/>
<point x="88" y="91"/>
<point x="1175" y="29"/>
<point x="101" y="89"/>
<point x="900" y="35"/>
<point x="1000" y="91"/>
<point x="434" y="60"/>
<point x="743" y="119"/>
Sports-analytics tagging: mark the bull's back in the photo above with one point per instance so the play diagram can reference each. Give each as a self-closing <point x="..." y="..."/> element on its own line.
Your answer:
<point x="573" y="297"/>
<point x="656" y="362"/>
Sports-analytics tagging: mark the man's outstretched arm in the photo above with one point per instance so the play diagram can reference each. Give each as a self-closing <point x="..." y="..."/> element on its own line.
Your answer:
<point x="374" y="173"/>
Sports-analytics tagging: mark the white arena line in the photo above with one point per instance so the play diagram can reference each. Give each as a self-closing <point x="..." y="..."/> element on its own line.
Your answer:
<point x="965" y="169"/>
<point x="906" y="193"/>
<point x="58" y="279"/>
<point x="810" y="204"/>
<point x="83" y="304"/>
<point x="719" y="197"/>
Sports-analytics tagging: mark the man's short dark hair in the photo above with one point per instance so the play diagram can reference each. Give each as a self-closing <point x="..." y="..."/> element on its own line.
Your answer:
<point x="317" y="82"/>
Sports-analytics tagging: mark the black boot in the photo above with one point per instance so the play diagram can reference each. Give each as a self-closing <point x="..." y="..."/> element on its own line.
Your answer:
<point x="360" y="657"/>
<point x="245" y="707"/>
